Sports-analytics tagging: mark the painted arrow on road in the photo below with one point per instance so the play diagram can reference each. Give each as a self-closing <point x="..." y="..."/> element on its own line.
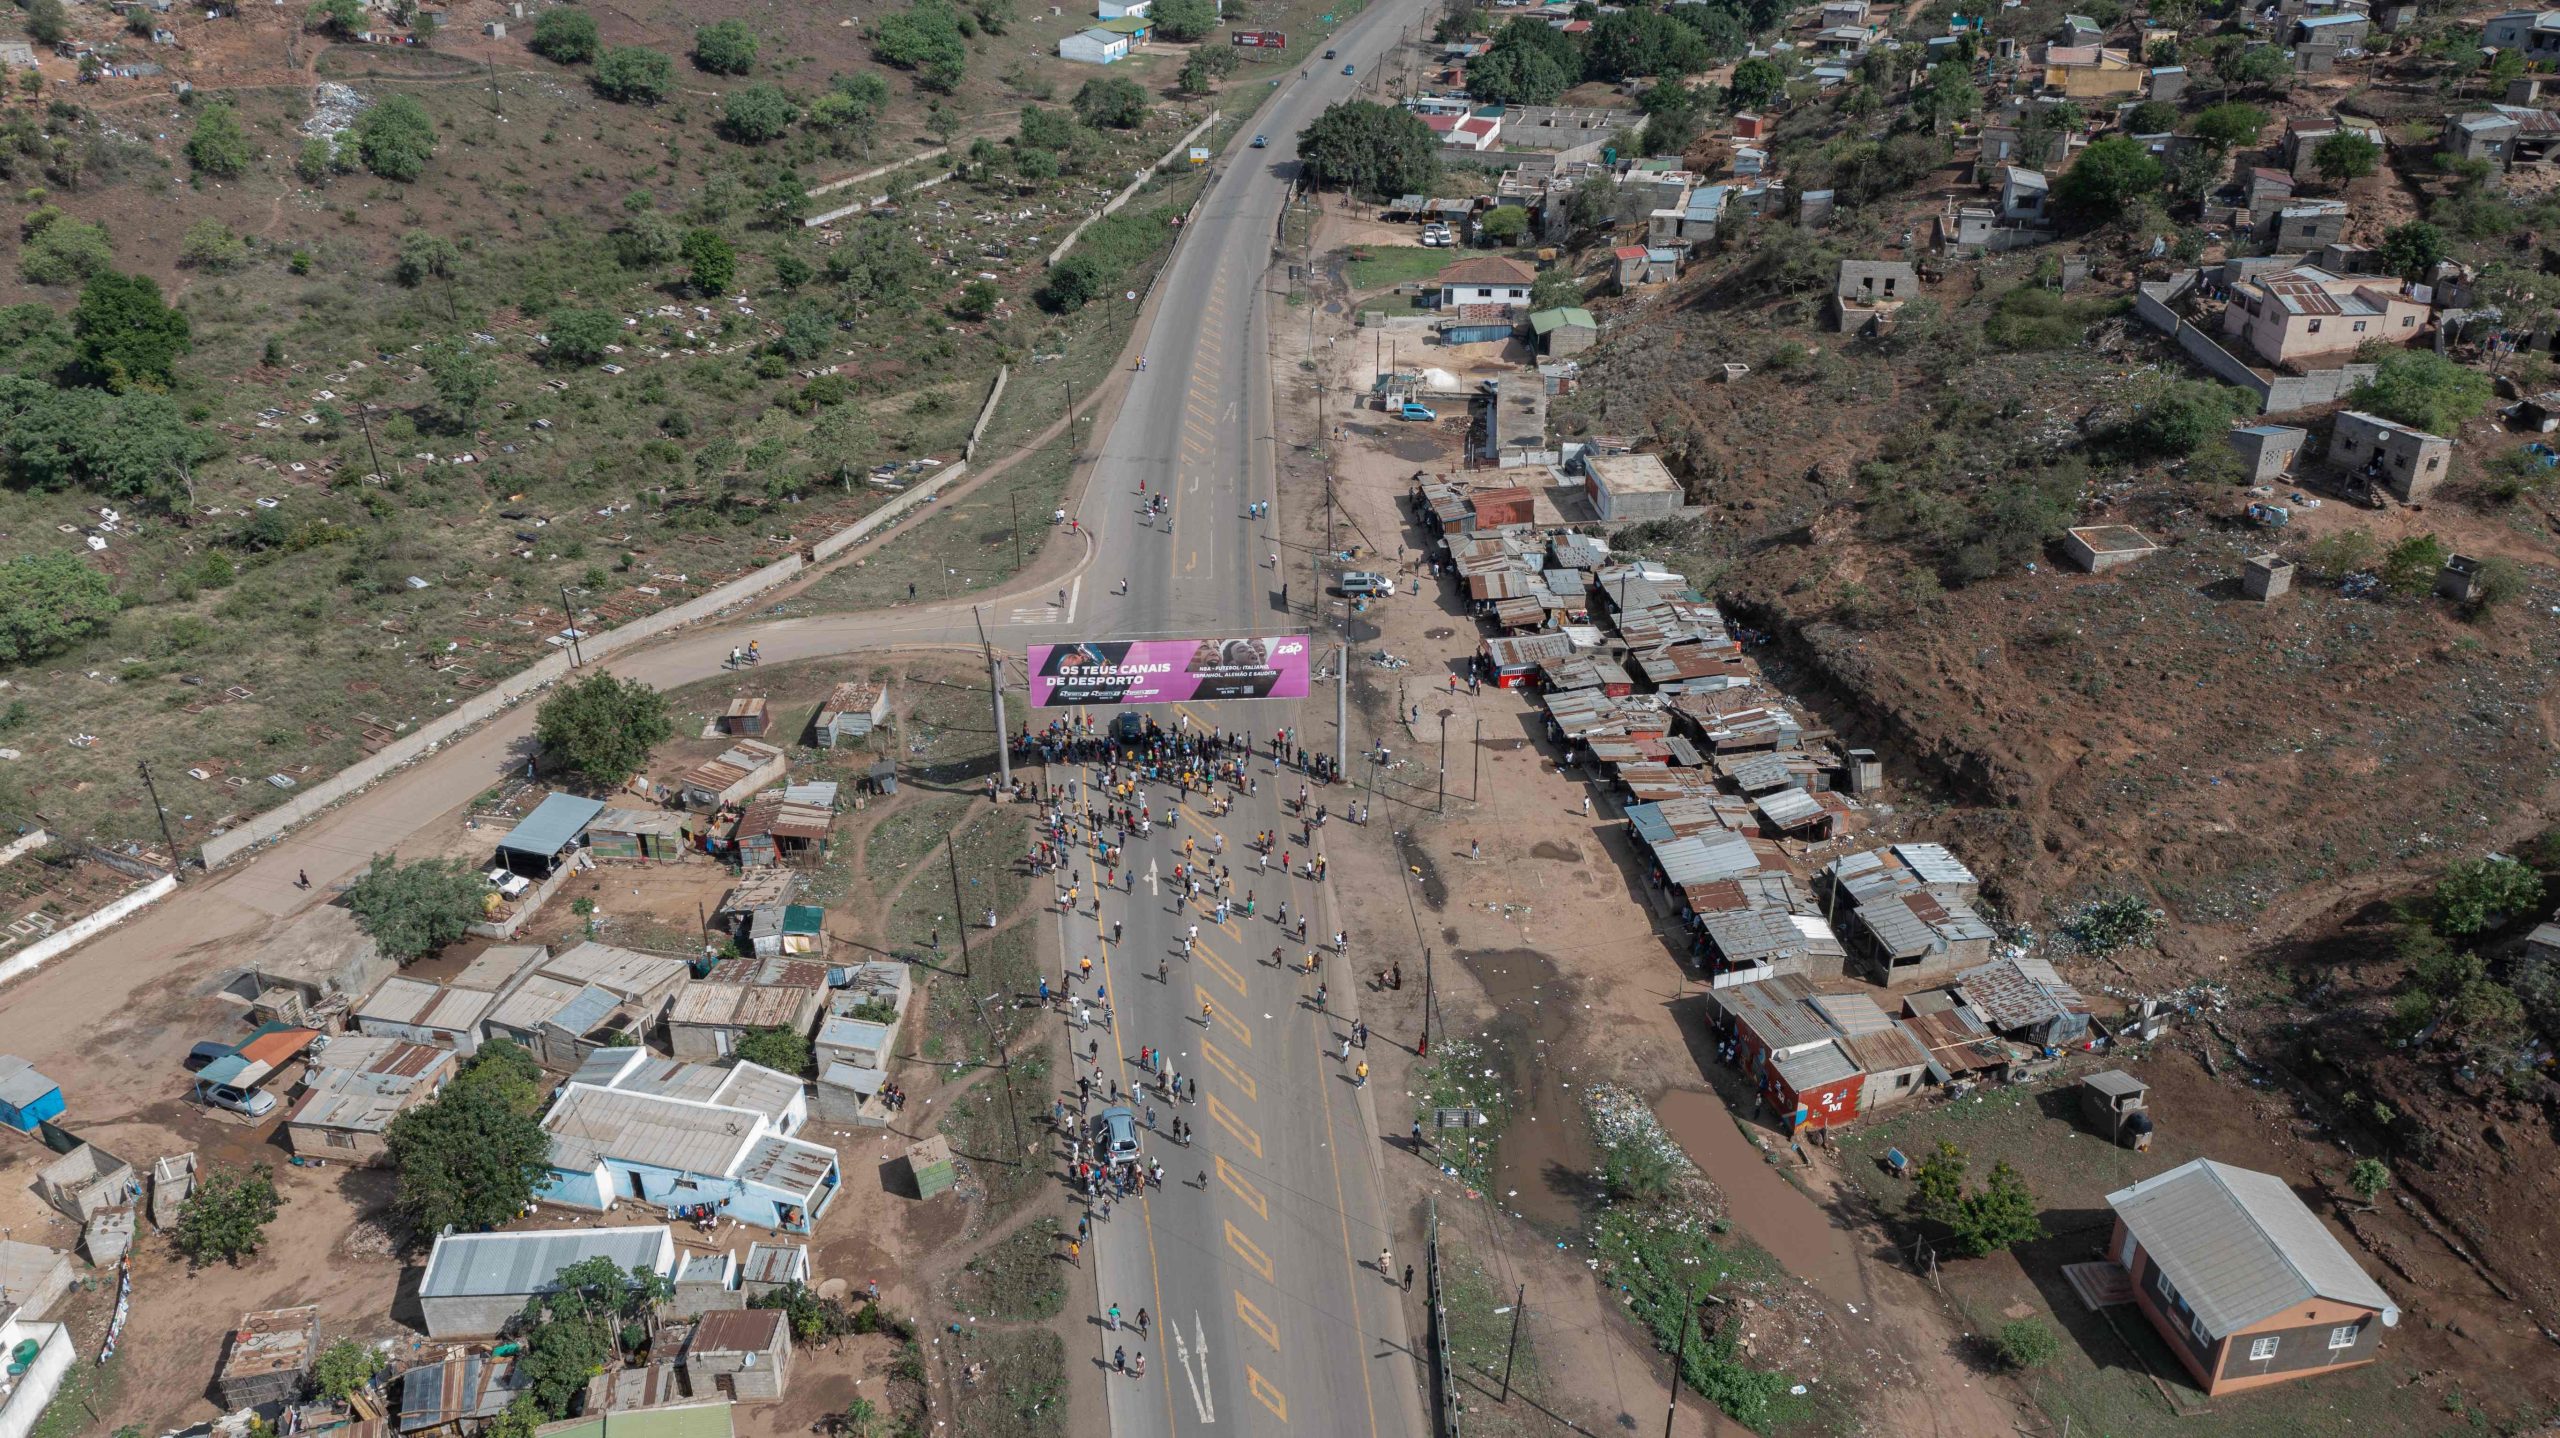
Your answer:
<point x="1151" y="877"/>
<point x="1201" y="1397"/>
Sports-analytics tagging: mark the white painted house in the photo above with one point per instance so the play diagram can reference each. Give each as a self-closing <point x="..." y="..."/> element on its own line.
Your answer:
<point x="1122" y="9"/>
<point x="1094" y="47"/>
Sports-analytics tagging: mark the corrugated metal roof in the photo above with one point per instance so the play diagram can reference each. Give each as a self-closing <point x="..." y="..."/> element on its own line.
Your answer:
<point x="1885" y="1050"/>
<point x="766" y="1091"/>
<point x="1851" y="1014"/>
<point x="737" y="1330"/>
<point x="498" y="1265"/>
<point x="554" y="825"/>
<point x="1774" y="1010"/>
<point x="1790" y="808"/>
<point x="776" y="1263"/>
<point x="2239" y="1247"/>
<point x="357" y="1102"/>
<point x="624" y="971"/>
<point x="419" y="1004"/>
<point x="1697" y="858"/>
<point x="2018" y="993"/>
<point x="1805" y="1069"/>
<point x="590" y="1125"/>
<point x="787" y="1164"/>
<point x="1934" y="864"/>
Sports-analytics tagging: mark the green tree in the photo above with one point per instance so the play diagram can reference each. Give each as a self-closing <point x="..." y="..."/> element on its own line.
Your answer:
<point x="1518" y="76"/>
<point x="647" y="240"/>
<point x="462" y="376"/>
<point x="757" y="114"/>
<point x="316" y="161"/>
<point x="63" y="251"/>
<point x="2410" y="567"/>
<point x="48" y="22"/>
<point x="411" y="910"/>
<point x="1627" y="43"/>
<point x="226" y="1215"/>
<point x="423" y="256"/>
<point x="2230" y="124"/>
<point x="603" y="728"/>
<point x="978" y="299"/>
<point x="345" y="1367"/>
<point x="579" y="337"/>
<point x="2342" y="552"/>
<point x="50" y="602"/>
<point x="1938" y="1185"/>
<point x="632" y="75"/>
<point x="782" y="1050"/>
<point x="1072" y="283"/>
<point x="2344" y="156"/>
<point x="2425" y="390"/>
<point x="926" y="38"/>
<point x="566" y="36"/>
<point x="1758" y="80"/>
<point x="1047" y="130"/>
<point x="342" y="18"/>
<point x="2152" y="117"/>
<point x="1374" y="151"/>
<point x="784" y="199"/>
<point x="127" y="335"/>
<point x="507" y="1072"/>
<point x="1206" y="66"/>
<point x="2412" y="251"/>
<point x="2253" y="67"/>
<point x="395" y="138"/>
<point x="849" y="122"/>
<point x="1505" y="224"/>
<point x="1185" y="20"/>
<point x="578" y="1327"/>
<point x="711" y="266"/>
<point x="2474" y="894"/>
<point x="1110" y="102"/>
<point x="1948" y="97"/>
<point x="1998" y="1216"/>
<point x="725" y="47"/>
<point x="467" y="1161"/>
<point x="1594" y="204"/>
<point x="1554" y="289"/>
<point x="879" y="264"/>
<point x="2110" y="172"/>
<point x="218" y="146"/>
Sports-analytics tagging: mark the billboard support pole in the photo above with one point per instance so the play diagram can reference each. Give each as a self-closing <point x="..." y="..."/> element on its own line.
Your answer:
<point x="995" y="697"/>
<point x="1342" y="708"/>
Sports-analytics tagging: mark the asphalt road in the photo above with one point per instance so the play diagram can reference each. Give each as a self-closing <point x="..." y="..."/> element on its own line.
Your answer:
<point x="1269" y="1314"/>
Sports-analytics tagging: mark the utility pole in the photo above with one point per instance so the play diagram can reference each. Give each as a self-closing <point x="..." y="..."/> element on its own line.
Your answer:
<point x="1444" y="762"/>
<point x="1475" y="780"/>
<point x="364" y="417"/>
<point x="496" y="95"/>
<point x="1013" y="497"/>
<point x="1423" y="1050"/>
<point x="1679" y="1356"/>
<point x="959" y="904"/>
<point x="575" y="661"/>
<point x="175" y="864"/>
<point x="995" y="697"/>
<point x="1342" y="708"/>
<point x="1518" y="1306"/>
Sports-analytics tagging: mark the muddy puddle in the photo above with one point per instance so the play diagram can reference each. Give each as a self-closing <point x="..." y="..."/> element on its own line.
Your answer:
<point x="1543" y="1169"/>
<point x="1776" y="1214"/>
<point x="1420" y="866"/>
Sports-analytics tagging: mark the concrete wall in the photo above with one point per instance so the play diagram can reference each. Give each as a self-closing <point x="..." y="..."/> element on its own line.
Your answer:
<point x="1116" y="201"/>
<point x="35" y="1388"/>
<point x="987" y="411"/>
<point x="62" y="941"/>
<point x="429" y="737"/>
<point x="472" y="1317"/>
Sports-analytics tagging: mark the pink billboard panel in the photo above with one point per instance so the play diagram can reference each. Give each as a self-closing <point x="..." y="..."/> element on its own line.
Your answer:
<point x="1168" y="671"/>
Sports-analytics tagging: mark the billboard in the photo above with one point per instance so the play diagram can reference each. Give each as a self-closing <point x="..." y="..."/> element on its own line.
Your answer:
<point x="1168" y="671"/>
<point x="1261" y="39"/>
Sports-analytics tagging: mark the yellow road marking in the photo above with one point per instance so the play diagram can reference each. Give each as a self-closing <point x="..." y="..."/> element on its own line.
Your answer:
<point x="1226" y="1119"/>
<point x="1221" y="967"/>
<point x="1260" y="1322"/>
<point x="1192" y="563"/>
<point x="1243" y="1188"/>
<point x="1250" y="1251"/>
<point x="1272" y="1398"/>
<point x="1227" y="1068"/>
<point x="1243" y="1035"/>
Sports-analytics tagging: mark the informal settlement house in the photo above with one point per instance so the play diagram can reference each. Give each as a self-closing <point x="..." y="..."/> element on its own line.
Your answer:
<point x="696" y="1141"/>
<point x="476" y="1282"/>
<point x="739" y="996"/>
<point x="2242" y="1279"/>
<point x="354" y="1088"/>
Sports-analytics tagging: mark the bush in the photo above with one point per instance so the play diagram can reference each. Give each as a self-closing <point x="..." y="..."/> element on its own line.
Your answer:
<point x="566" y="36"/>
<point x="1110" y="102"/>
<point x="634" y="76"/>
<point x="225" y="1218"/>
<point x="2025" y="1343"/>
<point x="757" y="114"/>
<point x="64" y="251"/>
<point x="579" y="336"/>
<point x="927" y="39"/>
<point x="210" y="245"/>
<point x="2179" y="418"/>
<point x="782" y="1050"/>
<point x="2410" y="568"/>
<point x="725" y="47"/>
<point x="218" y="146"/>
<point x="2034" y="317"/>
<point x="2476" y="893"/>
<point x="50" y="602"/>
<point x="395" y="138"/>
<point x="2110" y="173"/>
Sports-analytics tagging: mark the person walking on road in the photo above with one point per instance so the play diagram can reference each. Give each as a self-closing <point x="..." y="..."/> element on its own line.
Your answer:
<point x="1408" y="1278"/>
<point x="1119" y="1360"/>
<point x="1138" y="1366"/>
<point x="1142" y="1317"/>
<point x="1112" y="1314"/>
<point x="1418" y="1142"/>
<point x="1386" y="1264"/>
<point x="1075" y="1252"/>
<point x="1362" y="1079"/>
<point x="1345" y="1056"/>
<point x="1360" y="1034"/>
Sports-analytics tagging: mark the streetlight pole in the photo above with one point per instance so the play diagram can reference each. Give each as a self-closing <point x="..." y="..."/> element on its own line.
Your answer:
<point x="1679" y="1356"/>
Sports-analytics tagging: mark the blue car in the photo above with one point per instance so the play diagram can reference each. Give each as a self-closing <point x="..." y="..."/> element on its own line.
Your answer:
<point x="1346" y="69"/>
<point x="1261" y="142"/>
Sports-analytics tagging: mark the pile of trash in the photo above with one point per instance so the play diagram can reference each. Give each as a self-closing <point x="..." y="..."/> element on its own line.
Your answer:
<point x="334" y="108"/>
